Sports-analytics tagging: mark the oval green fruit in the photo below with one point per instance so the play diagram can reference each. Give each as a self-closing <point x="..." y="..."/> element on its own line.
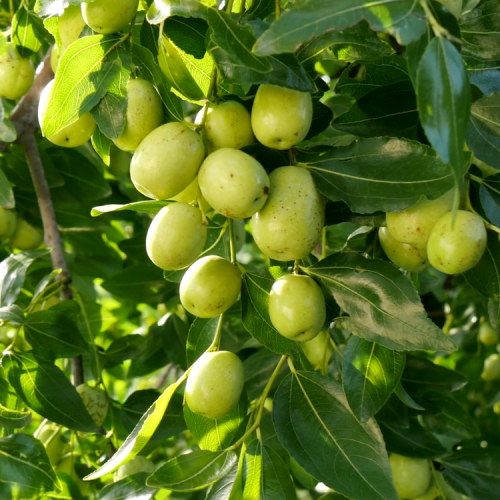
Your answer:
<point x="491" y="368"/>
<point x="291" y="222"/>
<point x="176" y="236"/>
<point x="431" y="494"/>
<point x="138" y="464"/>
<point x="319" y="350"/>
<point x="227" y="125"/>
<point x="70" y="25"/>
<point x="405" y="256"/>
<point x="119" y="162"/>
<point x="167" y="161"/>
<point x="412" y="476"/>
<point x="72" y="136"/>
<point x="109" y="16"/>
<point x="96" y="402"/>
<point x="215" y="384"/>
<point x="281" y="117"/>
<point x="414" y="225"/>
<point x="458" y="249"/>
<point x="8" y="221"/>
<point x="210" y="286"/>
<point x="233" y="183"/>
<point x="487" y="334"/>
<point x="144" y="114"/>
<point x="297" y="307"/>
<point x="16" y="73"/>
<point x="25" y="236"/>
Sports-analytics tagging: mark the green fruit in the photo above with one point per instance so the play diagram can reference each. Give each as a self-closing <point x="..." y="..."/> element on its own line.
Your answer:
<point x="136" y="465"/>
<point x="109" y="16"/>
<point x="8" y="223"/>
<point x="54" y="58"/>
<point x="167" y="161"/>
<point x="496" y="407"/>
<point x="414" y="225"/>
<point x="70" y="25"/>
<point x="176" y="236"/>
<point x="144" y="114"/>
<point x="290" y="224"/>
<point x="25" y="236"/>
<point x="491" y="368"/>
<point x="319" y="350"/>
<point x="431" y="494"/>
<point x="210" y="286"/>
<point x="96" y="402"/>
<point x="302" y="476"/>
<point x="55" y="447"/>
<point x="281" y="117"/>
<point x="233" y="183"/>
<point x="403" y="255"/>
<point x="297" y="307"/>
<point x="227" y="125"/>
<point x="412" y="476"/>
<point x="72" y="136"/>
<point x="119" y="162"/>
<point x="458" y="249"/>
<point x="192" y="194"/>
<point x="487" y="334"/>
<point x="16" y="73"/>
<point x="215" y="384"/>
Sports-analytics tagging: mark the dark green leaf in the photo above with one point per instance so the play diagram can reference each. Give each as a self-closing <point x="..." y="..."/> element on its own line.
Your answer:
<point x="102" y="146"/>
<point x="230" y="486"/>
<point x="27" y="32"/>
<point x="10" y="415"/>
<point x="6" y="195"/>
<point x="129" y="488"/>
<point x="12" y="314"/>
<point x="200" y="337"/>
<point x="258" y="370"/>
<point x="382" y="304"/>
<point x="405" y="398"/>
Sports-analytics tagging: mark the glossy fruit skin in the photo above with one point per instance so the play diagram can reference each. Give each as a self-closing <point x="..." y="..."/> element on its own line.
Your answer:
<point x="192" y="194"/>
<point x="412" y="476"/>
<point x="73" y="135"/>
<point x="319" y="350"/>
<point x="167" y="161"/>
<point x="108" y="16"/>
<point x="431" y="494"/>
<point x="414" y="225"/>
<point x="233" y="183"/>
<point x="227" y="125"/>
<point x="25" y="236"/>
<point x="176" y="236"/>
<point x="136" y="465"/>
<point x="491" y="368"/>
<point x="16" y="73"/>
<point x="405" y="256"/>
<point x="70" y="26"/>
<point x="487" y="334"/>
<point x="144" y="114"/>
<point x="457" y="250"/>
<point x="297" y="307"/>
<point x="8" y="221"/>
<point x="210" y="286"/>
<point x="281" y="117"/>
<point x="290" y="224"/>
<point x="96" y="402"/>
<point x="215" y="384"/>
<point x="302" y="476"/>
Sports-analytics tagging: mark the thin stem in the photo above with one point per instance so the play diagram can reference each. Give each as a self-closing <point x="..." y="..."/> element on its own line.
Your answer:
<point x="323" y="244"/>
<point x="477" y="179"/>
<point x="210" y="93"/>
<point x="218" y="334"/>
<point x="229" y="7"/>
<point x="438" y="30"/>
<point x="221" y="234"/>
<point x="487" y="223"/>
<point x="11" y="8"/>
<point x="296" y="266"/>
<point x="231" y="241"/>
<point x="277" y="8"/>
<point x="243" y="6"/>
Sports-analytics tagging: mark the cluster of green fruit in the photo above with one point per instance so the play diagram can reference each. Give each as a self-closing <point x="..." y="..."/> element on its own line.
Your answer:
<point x="428" y="234"/>
<point x="20" y="234"/>
<point x="489" y="336"/>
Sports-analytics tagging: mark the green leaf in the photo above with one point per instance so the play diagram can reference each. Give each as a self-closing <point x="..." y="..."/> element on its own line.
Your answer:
<point x="7" y="134"/>
<point x="47" y="391"/>
<point x="216" y="435"/>
<point x="230" y="486"/>
<point x="140" y="436"/>
<point x="10" y="415"/>
<point x="474" y="472"/>
<point x="102" y="146"/>
<point x="404" y="19"/>
<point x="444" y="99"/>
<point x="258" y="370"/>
<point x="370" y="374"/>
<point x="27" y="32"/>
<point x="266" y="475"/>
<point x="483" y="131"/>
<point x="145" y="207"/>
<point x="6" y="195"/>
<point x="24" y="462"/>
<point x="129" y="488"/>
<point x="382" y="304"/>
<point x="200" y="337"/>
<point x="12" y="314"/>
<point x="405" y="398"/>
<point x="93" y="65"/>
<point x="12" y="273"/>
<point x="193" y="471"/>
<point x="366" y="173"/>
<point x="55" y="331"/>
<point x="149" y="69"/>
<point x="163" y="9"/>
<point x="316" y="426"/>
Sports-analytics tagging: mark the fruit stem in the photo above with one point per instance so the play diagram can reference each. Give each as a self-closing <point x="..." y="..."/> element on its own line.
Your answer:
<point x="277" y="8"/>
<point x="231" y="242"/>
<point x="221" y="234"/>
<point x="229" y="7"/>
<point x="438" y="30"/>
<point x="477" y="179"/>
<point x="296" y="266"/>
<point x="470" y="208"/>
<point x="59" y="284"/>
<point x="210" y="93"/>
<point x="218" y="334"/>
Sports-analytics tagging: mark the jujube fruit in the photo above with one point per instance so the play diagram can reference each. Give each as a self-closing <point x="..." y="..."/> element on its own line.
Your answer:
<point x="487" y="334"/>
<point x="16" y="73"/>
<point x="457" y="249"/>
<point x="70" y="25"/>
<point x="167" y="161"/>
<point x="210" y="286"/>
<point x="291" y="222"/>
<point x="26" y="236"/>
<point x="215" y="384"/>
<point x="144" y="114"/>
<point x="281" y="117"/>
<point x="405" y="256"/>
<point x="318" y="350"/>
<point x="233" y="183"/>
<point x="297" y="307"/>
<point x="8" y="223"/>
<point x="109" y="16"/>
<point x="412" y="476"/>
<point x="491" y="368"/>
<point x="176" y="236"/>
<point x="96" y="402"/>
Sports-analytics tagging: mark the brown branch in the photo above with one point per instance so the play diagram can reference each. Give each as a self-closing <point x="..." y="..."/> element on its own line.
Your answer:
<point x="25" y="119"/>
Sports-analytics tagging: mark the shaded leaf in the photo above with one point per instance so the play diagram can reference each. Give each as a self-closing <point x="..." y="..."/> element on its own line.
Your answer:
<point x="129" y="488"/>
